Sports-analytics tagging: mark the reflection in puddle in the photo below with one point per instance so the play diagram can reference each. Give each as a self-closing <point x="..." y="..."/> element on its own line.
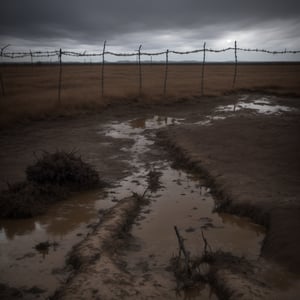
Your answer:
<point x="134" y="129"/>
<point x="65" y="223"/>
<point x="154" y="123"/>
<point x="183" y="200"/>
<point x="186" y="206"/>
<point x="60" y="220"/>
<point x="24" y="264"/>
<point x="263" y="105"/>
<point x="260" y="107"/>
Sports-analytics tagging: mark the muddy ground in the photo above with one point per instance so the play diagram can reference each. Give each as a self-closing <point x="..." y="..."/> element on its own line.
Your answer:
<point x="253" y="163"/>
<point x="250" y="159"/>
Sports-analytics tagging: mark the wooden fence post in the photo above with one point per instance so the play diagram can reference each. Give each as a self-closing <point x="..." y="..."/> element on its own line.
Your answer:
<point x="140" y="72"/>
<point x="1" y="75"/>
<point x="102" y="70"/>
<point x="31" y="57"/>
<point x="203" y="64"/>
<point x="235" y="65"/>
<point x="60" y="76"/>
<point x="1" y="79"/>
<point x="166" y="72"/>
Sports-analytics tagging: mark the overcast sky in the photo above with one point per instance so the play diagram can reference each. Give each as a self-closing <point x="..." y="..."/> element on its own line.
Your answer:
<point x="156" y="24"/>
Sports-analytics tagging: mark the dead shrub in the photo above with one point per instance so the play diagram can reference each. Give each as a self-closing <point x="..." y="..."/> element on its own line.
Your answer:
<point x="63" y="169"/>
<point x="52" y="178"/>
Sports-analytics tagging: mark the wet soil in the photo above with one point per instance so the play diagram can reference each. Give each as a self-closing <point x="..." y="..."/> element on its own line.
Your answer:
<point x="120" y="144"/>
<point x="253" y="160"/>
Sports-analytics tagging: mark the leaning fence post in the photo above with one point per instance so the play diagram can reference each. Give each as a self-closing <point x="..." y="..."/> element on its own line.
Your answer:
<point x="102" y="69"/>
<point x="1" y="75"/>
<point x="140" y="72"/>
<point x="1" y="78"/>
<point x="235" y="65"/>
<point x="60" y="76"/>
<point x="202" y="75"/>
<point x="166" y="72"/>
<point x="31" y="57"/>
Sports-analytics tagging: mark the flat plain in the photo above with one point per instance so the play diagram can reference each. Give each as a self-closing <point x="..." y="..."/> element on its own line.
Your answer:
<point x="31" y="91"/>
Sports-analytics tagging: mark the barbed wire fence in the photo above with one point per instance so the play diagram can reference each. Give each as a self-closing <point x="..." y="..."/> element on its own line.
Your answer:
<point x="138" y="53"/>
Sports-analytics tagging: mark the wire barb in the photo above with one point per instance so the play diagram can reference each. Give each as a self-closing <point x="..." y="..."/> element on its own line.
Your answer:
<point x="41" y="54"/>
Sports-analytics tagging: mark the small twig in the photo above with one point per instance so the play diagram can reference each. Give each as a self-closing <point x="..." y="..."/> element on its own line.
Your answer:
<point x="206" y="245"/>
<point x="146" y="190"/>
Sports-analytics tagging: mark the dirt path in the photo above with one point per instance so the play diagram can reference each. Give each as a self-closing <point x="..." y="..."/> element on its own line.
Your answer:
<point x="249" y="157"/>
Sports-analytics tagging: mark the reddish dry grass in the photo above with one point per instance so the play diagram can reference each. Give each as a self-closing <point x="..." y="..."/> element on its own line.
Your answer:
<point x="32" y="91"/>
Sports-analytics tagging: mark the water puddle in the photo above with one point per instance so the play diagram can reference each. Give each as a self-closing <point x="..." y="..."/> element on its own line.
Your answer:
<point x="258" y="105"/>
<point x="24" y="265"/>
<point x="262" y="105"/>
<point x="183" y="200"/>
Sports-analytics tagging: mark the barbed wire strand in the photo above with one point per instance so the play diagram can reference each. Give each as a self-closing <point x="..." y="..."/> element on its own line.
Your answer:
<point x="60" y="53"/>
<point x="41" y="54"/>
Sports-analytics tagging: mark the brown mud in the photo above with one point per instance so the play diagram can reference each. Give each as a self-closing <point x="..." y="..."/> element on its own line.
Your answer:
<point x="253" y="164"/>
<point x="249" y="158"/>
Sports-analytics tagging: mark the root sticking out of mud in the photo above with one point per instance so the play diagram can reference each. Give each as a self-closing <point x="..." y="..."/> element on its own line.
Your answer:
<point x="231" y="277"/>
<point x="191" y="271"/>
<point x="52" y="178"/>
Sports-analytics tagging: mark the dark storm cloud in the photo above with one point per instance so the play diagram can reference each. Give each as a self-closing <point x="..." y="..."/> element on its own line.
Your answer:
<point x="91" y="22"/>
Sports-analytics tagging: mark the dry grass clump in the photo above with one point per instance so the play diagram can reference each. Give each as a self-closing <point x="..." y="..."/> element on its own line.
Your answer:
<point x="63" y="169"/>
<point x="52" y="178"/>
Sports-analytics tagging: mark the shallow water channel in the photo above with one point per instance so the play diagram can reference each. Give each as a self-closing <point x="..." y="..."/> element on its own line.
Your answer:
<point x="183" y="200"/>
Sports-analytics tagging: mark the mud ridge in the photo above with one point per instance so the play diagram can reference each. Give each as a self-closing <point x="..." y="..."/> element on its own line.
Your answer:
<point x="95" y="260"/>
<point x="223" y="197"/>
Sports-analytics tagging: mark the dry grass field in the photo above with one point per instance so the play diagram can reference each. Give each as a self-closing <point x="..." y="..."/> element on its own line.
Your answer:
<point x="31" y="92"/>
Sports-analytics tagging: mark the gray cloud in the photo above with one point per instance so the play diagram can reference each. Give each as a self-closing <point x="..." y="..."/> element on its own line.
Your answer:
<point x="155" y="23"/>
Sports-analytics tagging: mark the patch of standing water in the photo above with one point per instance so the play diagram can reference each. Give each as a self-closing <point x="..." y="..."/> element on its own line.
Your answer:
<point x="135" y="131"/>
<point x="63" y="226"/>
<point x="182" y="200"/>
<point x="260" y="106"/>
<point x="264" y="105"/>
